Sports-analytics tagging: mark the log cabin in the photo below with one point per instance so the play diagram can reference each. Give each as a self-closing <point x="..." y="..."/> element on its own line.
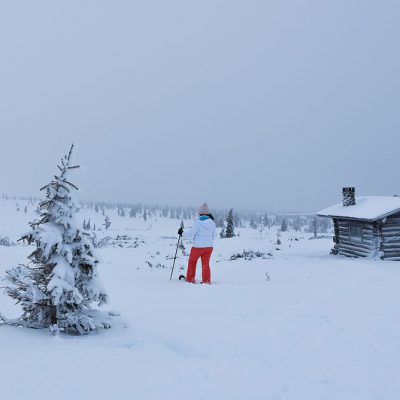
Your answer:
<point x="367" y="226"/>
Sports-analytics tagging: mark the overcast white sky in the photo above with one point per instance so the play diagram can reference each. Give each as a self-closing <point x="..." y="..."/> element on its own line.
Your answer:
<point x="250" y="104"/>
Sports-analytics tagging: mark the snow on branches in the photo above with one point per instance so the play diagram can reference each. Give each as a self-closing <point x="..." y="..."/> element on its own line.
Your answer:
<point x="59" y="285"/>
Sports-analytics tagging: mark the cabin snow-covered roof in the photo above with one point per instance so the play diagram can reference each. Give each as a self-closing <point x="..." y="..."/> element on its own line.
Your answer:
<point x="370" y="208"/>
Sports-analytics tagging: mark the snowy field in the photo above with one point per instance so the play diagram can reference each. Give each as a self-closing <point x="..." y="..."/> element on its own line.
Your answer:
<point x="299" y="324"/>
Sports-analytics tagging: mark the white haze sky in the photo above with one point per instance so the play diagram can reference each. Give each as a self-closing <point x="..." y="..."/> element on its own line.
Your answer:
<point x="250" y="104"/>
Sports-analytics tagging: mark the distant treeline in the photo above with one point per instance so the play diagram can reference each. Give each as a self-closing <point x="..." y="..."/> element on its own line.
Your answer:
<point x="242" y="219"/>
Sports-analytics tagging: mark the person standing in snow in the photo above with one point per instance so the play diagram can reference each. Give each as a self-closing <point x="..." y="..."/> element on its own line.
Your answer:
<point x="203" y="234"/>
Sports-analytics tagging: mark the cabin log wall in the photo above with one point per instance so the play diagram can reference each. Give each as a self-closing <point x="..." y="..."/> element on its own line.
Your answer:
<point x="378" y="238"/>
<point x="390" y="237"/>
<point x="354" y="248"/>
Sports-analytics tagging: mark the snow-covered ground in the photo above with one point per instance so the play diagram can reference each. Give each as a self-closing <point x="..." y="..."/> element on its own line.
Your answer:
<point x="299" y="324"/>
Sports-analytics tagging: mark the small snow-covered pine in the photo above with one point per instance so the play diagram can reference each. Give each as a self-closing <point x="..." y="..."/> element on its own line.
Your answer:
<point x="230" y="227"/>
<point x="59" y="286"/>
<point x="107" y="222"/>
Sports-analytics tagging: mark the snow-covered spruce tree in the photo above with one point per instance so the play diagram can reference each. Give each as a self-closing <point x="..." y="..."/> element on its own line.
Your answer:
<point x="253" y="224"/>
<point x="266" y="221"/>
<point x="58" y="287"/>
<point x="107" y="223"/>
<point x="314" y="226"/>
<point x="284" y="225"/>
<point x="297" y="224"/>
<point x="230" y="227"/>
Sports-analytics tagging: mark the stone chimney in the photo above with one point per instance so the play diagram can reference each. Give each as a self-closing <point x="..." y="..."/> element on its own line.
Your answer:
<point x="349" y="196"/>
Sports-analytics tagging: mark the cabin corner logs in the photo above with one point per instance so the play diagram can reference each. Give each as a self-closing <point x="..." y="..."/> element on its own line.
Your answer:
<point x="356" y="238"/>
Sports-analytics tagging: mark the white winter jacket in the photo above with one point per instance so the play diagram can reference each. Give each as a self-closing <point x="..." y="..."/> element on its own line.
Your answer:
<point x="203" y="232"/>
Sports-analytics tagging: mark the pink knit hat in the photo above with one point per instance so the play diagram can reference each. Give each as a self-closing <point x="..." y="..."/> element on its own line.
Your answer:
<point x="203" y="209"/>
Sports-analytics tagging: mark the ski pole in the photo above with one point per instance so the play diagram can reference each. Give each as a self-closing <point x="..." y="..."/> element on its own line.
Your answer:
<point x="176" y="251"/>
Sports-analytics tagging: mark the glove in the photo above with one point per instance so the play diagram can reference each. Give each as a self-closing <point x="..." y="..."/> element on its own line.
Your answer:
<point x="180" y="231"/>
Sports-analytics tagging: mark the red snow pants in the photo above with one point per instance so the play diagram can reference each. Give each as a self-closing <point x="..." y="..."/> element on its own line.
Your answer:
<point x="205" y="254"/>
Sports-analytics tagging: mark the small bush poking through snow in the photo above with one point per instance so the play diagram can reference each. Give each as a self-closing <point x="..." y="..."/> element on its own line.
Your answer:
<point x="5" y="241"/>
<point x="249" y="255"/>
<point x="155" y="264"/>
<point x="123" y="241"/>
